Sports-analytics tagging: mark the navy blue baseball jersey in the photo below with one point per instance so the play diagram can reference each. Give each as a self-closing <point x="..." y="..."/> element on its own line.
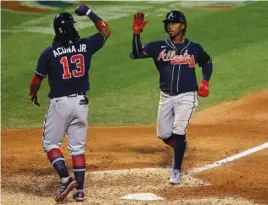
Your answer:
<point x="175" y="63"/>
<point x="67" y="67"/>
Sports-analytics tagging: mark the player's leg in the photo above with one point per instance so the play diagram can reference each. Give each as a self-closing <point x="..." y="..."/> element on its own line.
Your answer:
<point x="77" y="135"/>
<point x="55" y="124"/>
<point x="186" y="104"/>
<point x="165" y="117"/>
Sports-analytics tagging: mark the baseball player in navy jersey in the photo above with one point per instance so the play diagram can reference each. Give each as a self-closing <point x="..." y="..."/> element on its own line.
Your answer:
<point x="175" y="59"/>
<point x="66" y="63"/>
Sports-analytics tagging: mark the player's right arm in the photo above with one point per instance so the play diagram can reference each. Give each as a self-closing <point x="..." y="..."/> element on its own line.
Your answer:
<point x="40" y="73"/>
<point x="139" y="51"/>
<point x="101" y="25"/>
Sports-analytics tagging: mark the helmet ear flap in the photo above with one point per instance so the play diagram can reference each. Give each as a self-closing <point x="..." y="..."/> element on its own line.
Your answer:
<point x="165" y="27"/>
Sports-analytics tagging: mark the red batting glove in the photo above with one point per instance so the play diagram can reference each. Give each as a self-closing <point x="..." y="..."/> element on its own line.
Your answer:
<point x="203" y="90"/>
<point x="138" y="22"/>
<point x="34" y="87"/>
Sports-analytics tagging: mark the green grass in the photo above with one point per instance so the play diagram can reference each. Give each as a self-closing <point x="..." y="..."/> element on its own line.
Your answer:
<point x="124" y="91"/>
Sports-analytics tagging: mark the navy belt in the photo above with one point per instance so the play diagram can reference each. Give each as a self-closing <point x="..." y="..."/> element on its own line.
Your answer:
<point x="170" y="93"/>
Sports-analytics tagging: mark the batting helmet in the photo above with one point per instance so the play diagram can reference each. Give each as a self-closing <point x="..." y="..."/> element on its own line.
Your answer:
<point x="64" y="29"/>
<point x="175" y="16"/>
<point x="63" y="22"/>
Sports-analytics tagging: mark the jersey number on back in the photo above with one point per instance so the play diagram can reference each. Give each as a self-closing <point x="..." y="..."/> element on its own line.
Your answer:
<point x="80" y="65"/>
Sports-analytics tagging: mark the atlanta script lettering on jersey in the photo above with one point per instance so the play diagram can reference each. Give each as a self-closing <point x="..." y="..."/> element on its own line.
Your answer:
<point x="177" y="59"/>
<point x="71" y="49"/>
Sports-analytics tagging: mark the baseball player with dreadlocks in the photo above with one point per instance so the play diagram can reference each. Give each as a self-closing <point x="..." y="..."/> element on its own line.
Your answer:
<point x="175" y="59"/>
<point x="67" y="64"/>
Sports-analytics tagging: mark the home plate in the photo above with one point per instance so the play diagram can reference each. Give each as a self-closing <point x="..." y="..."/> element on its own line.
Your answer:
<point x="142" y="196"/>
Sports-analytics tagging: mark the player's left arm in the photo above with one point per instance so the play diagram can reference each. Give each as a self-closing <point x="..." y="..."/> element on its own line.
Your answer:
<point x="101" y="25"/>
<point x="205" y="62"/>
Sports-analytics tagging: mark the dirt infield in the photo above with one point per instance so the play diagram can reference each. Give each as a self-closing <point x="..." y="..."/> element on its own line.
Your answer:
<point x="214" y="134"/>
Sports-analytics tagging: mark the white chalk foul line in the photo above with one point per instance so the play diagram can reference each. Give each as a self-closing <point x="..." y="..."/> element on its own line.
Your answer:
<point x="194" y="171"/>
<point x="126" y="171"/>
<point x="229" y="159"/>
<point x="151" y="196"/>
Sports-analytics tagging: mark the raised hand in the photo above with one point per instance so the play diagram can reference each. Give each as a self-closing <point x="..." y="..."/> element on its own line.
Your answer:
<point x="138" y="22"/>
<point x="82" y="10"/>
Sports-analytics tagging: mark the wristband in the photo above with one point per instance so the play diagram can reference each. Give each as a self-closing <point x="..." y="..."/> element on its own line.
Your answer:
<point x="88" y="12"/>
<point x="205" y="82"/>
<point x="93" y="17"/>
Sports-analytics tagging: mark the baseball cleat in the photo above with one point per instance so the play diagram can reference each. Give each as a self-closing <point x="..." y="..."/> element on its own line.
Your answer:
<point x="175" y="177"/>
<point x="79" y="195"/>
<point x="65" y="189"/>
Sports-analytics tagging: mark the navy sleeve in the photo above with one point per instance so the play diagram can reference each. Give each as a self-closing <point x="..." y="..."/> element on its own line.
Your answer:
<point x="150" y="49"/>
<point x="42" y="65"/>
<point x="136" y="47"/>
<point x="96" y="42"/>
<point x="138" y="51"/>
<point x="202" y="58"/>
<point x="205" y="62"/>
<point x="207" y="71"/>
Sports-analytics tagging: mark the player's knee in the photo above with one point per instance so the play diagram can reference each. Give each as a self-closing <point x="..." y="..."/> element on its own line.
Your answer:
<point x="47" y="147"/>
<point x="164" y="135"/>
<point x="180" y="129"/>
<point x="180" y="132"/>
<point x="77" y="150"/>
<point x="170" y="141"/>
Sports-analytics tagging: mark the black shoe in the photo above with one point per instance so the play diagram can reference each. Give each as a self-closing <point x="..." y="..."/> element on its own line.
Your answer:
<point x="65" y="189"/>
